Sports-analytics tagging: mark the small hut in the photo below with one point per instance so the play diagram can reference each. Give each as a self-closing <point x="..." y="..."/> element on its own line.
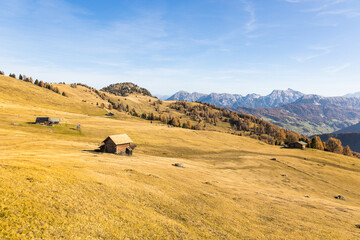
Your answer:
<point x="119" y="144"/>
<point x="47" y="121"/>
<point x="300" y="145"/>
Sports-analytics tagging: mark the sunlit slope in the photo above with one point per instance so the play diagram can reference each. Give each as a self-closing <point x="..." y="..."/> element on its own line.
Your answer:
<point x="53" y="187"/>
<point x="14" y="91"/>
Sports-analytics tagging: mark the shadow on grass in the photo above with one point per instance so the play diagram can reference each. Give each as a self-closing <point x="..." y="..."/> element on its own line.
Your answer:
<point x="96" y="151"/>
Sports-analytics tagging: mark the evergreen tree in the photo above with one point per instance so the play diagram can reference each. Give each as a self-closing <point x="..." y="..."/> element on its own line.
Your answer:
<point x="317" y="143"/>
<point x="20" y="77"/>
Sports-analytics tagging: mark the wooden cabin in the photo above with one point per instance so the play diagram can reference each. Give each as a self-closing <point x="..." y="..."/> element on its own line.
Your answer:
<point x="300" y="145"/>
<point x="47" y="121"/>
<point x="118" y="144"/>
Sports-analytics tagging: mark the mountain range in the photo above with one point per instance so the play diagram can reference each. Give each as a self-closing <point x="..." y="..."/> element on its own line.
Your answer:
<point x="357" y="94"/>
<point x="274" y="99"/>
<point x="307" y="114"/>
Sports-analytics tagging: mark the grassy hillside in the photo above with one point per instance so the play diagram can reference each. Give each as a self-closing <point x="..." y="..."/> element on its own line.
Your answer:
<point x="52" y="186"/>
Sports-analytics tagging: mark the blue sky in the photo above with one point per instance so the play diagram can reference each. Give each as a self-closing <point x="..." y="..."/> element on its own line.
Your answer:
<point x="234" y="46"/>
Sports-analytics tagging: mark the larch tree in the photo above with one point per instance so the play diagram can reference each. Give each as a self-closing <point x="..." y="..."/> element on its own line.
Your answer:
<point x="347" y="151"/>
<point x="292" y="137"/>
<point x="334" y="145"/>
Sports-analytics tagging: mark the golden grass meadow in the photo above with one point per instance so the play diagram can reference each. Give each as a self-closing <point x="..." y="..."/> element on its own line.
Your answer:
<point x="53" y="186"/>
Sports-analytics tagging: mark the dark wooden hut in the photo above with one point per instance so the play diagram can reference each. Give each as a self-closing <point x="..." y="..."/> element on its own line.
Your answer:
<point x="119" y="144"/>
<point x="300" y="145"/>
<point x="47" y="120"/>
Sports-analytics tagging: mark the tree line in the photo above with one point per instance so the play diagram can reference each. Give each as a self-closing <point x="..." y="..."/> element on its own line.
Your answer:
<point x="42" y="84"/>
<point x="332" y="145"/>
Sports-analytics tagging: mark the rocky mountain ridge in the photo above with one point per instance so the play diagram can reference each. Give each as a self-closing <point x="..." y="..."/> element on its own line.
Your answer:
<point x="274" y="99"/>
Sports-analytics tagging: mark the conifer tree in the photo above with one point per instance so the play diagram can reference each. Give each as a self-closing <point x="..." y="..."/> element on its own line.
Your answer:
<point x="317" y="143"/>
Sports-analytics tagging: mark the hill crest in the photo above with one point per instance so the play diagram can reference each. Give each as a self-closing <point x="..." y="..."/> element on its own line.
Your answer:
<point x="126" y="88"/>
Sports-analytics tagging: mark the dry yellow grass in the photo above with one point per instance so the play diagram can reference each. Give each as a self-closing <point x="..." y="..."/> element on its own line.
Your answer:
<point x="52" y="187"/>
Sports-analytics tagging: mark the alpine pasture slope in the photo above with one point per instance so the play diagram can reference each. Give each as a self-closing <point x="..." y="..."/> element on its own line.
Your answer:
<point x="52" y="186"/>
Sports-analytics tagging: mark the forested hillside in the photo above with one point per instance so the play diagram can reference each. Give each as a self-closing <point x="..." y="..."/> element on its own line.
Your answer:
<point x="126" y="88"/>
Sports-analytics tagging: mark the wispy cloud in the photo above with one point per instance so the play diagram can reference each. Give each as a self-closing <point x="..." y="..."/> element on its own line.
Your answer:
<point x="324" y="6"/>
<point x="329" y="7"/>
<point x="345" y="12"/>
<point x="317" y="52"/>
<point x="335" y="69"/>
<point x="251" y="23"/>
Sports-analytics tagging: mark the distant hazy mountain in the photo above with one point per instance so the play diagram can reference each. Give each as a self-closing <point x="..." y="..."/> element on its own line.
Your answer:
<point x="162" y="97"/>
<point x="352" y="129"/>
<point x="274" y="99"/>
<point x="186" y="96"/>
<point x="357" y="94"/>
<point x="312" y="114"/>
<point x="335" y="101"/>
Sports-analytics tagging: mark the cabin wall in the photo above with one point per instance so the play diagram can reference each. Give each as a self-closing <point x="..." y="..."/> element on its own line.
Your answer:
<point x="122" y="147"/>
<point x="110" y="147"/>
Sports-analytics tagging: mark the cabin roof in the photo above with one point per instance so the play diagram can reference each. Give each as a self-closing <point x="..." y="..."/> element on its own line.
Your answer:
<point x="302" y="143"/>
<point x="119" y="139"/>
<point x="48" y="119"/>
